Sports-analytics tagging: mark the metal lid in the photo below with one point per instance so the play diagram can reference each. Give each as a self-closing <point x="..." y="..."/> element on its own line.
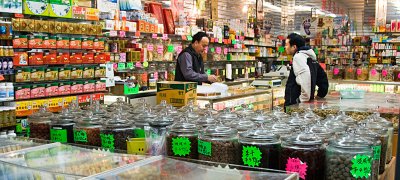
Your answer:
<point x="259" y="136"/>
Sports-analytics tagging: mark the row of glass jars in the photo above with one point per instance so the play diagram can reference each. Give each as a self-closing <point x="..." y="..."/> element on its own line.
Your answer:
<point x="262" y="147"/>
<point x="364" y="73"/>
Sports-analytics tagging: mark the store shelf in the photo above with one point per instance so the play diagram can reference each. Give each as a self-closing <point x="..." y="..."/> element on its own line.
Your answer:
<point x="364" y="82"/>
<point x="142" y="94"/>
<point x="214" y="99"/>
<point x="60" y="96"/>
<point x="44" y="82"/>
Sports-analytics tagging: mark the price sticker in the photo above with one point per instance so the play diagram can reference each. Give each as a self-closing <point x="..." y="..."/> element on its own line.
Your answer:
<point x="129" y="65"/>
<point x="165" y="36"/>
<point x="145" y="64"/>
<point x="204" y="148"/>
<point x="181" y="146"/>
<point x="251" y="156"/>
<point x="58" y="135"/>
<point x="160" y="49"/>
<point x="122" y="33"/>
<point x="113" y="33"/>
<point x="218" y="50"/>
<point x="189" y="38"/>
<point x="212" y="50"/>
<point x="150" y="47"/>
<point x="107" y="141"/>
<point x="361" y="166"/>
<point x="138" y="64"/>
<point x="154" y="36"/>
<point x="80" y="136"/>
<point x="225" y="51"/>
<point x="121" y="66"/>
<point x="296" y="165"/>
<point x="171" y="48"/>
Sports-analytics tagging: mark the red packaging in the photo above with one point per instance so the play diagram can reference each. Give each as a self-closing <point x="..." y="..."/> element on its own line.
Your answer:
<point x="20" y="41"/>
<point x="46" y="42"/>
<point x="35" y="58"/>
<point x="88" y="58"/>
<point x="101" y="44"/>
<point x="169" y="26"/>
<point x="63" y="58"/>
<point x="51" y="89"/>
<point x="156" y="9"/>
<point x="75" y="43"/>
<point x="77" y="87"/>
<point x="96" y="44"/>
<point x="20" y="59"/>
<point x="87" y="43"/>
<point x="89" y="86"/>
<point x="147" y="27"/>
<point x="23" y="92"/>
<point x="63" y="43"/>
<point x="140" y="25"/>
<point x="64" y="88"/>
<point x="76" y="58"/>
<point x="100" y="86"/>
<point x="52" y="42"/>
<point x="38" y="90"/>
<point x="50" y="58"/>
<point x="99" y="58"/>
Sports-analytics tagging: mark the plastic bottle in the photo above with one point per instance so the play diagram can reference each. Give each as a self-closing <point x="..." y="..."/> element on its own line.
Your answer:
<point x="3" y="134"/>
<point x="10" y="91"/>
<point x="11" y="134"/>
<point x="3" y="91"/>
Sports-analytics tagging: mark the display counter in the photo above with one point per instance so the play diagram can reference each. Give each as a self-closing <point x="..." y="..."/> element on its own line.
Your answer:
<point x="260" y="99"/>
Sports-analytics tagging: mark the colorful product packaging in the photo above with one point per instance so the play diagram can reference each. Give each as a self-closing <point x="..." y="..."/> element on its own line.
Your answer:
<point x="35" y="58"/>
<point x="89" y="86"/>
<point x="37" y="74"/>
<point x="88" y="72"/>
<point x="20" y="41"/>
<point x="38" y="90"/>
<point x="100" y="86"/>
<point x="52" y="89"/>
<point x="22" y="92"/>
<point x="76" y="72"/>
<point x="64" y="88"/>
<point x="20" y="59"/>
<point x="23" y="75"/>
<point x="50" y="58"/>
<point x="51" y="74"/>
<point x="77" y="87"/>
<point x="64" y="73"/>
<point x="76" y="58"/>
<point x="88" y="58"/>
<point x="100" y="72"/>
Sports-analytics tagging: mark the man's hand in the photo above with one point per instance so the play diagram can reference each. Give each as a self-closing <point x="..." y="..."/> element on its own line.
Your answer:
<point x="212" y="78"/>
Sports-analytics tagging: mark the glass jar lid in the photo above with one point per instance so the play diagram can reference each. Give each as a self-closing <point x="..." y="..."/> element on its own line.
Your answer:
<point x="245" y="111"/>
<point x="377" y="127"/>
<point x="241" y="125"/>
<point x="309" y="115"/>
<point x="41" y="116"/>
<point x="220" y="131"/>
<point x="350" y="141"/>
<point x="117" y="123"/>
<point x="184" y="128"/>
<point x="320" y="130"/>
<point x="227" y="114"/>
<point x="259" y="136"/>
<point x="305" y="138"/>
<point x="66" y="115"/>
<point x="260" y="117"/>
<point x="207" y="120"/>
<point x="163" y="120"/>
<point x="296" y="121"/>
<point x="90" y="120"/>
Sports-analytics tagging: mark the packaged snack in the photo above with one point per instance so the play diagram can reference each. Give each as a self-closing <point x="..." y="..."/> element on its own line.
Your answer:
<point x="100" y="86"/>
<point x="20" y="59"/>
<point x="20" y="41"/>
<point x="64" y="73"/>
<point x="38" y="90"/>
<point x="88" y="72"/>
<point x="88" y="58"/>
<point x="23" y="75"/>
<point x="35" y="58"/>
<point x="63" y="58"/>
<point x="51" y="74"/>
<point x="76" y="72"/>
<point x="64" y="88"/>
<point x="23" y="92"/>
<point x="77" y="87"/>
<point x="76" y="58"/>
<point x="100" y="72"/>
<point x="50" y="58"/>
<point x="75" y="43"/>
<point x="89" y="86"/>
<point x="52" y="89"/>
<point x="37" y="74"/>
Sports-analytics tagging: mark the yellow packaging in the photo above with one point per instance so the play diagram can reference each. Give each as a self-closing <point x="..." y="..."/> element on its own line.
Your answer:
<point x="36" y="104"/>
<point x="68" y="100"/>
<point x="176" y="93"/>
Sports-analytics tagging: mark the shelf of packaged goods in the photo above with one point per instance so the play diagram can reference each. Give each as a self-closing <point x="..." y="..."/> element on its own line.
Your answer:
<point x="214" y="99"/>
<point x="55" y="81"/>
<point x="260" y="45"/>
<point x="390" y="42"/>
<point x="6" y="38"/>
<point x="391" y="33"/>
<point x="363" y="82"/>
<point x="59" y="96"/>
<point x="55" y="65"/>
<point x="58" y="49"/>
<point x="387" y="56"/>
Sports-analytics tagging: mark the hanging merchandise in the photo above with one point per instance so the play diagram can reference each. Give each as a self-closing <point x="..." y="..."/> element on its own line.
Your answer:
<point x="11" y="6"/>
<point x="60" y="8"/>
<point x="107" y="5"/>
<point x="33" y="7"/>
<point x="126" y="5"/>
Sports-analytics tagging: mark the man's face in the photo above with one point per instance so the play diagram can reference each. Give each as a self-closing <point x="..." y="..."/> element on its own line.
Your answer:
<point x="199" y="46"/>
<point x="290" y="49"/>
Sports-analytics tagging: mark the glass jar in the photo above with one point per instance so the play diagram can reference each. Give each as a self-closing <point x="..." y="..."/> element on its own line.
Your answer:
<point x="218" y="143"/>
<point x="347" y="156"/>
<point x="296" y="121"/>
<point x="259" y="148"/>
<point x="227" y="115"/>
<point x="383" y="133"/>
<point x="362" y="73"/>
<point x="158" y="129"/>
<point x="329" y="73"/>
<point x="378" y="167"/>
<point x="246" y="111"/>
<point x="374" y="74"/>
<point x="62" y="128"/>
<point x="389" y="125"/>
<point x="115" y="132"/>
<point x="310" y="116"/>
<point x="396" y="74"/>
<point x="350" y="73"/>
<point x="87" y="130"/>
<point x="338" y="72"/>
<point x="387" y="74"/>
<point x="262" y="119"/>
<point x="39" y="124"/>
<point x="321" y="131"/>
<point x="205" y="121"/>
<point x="282" y="129"/>
<point x="335" y="125"/>
<point x="241" y="125"/>
<point x="182" y="140"/>
<point x="142" y="123"/>
<point x="303" y="154"/>
<point x="347" y="120"/>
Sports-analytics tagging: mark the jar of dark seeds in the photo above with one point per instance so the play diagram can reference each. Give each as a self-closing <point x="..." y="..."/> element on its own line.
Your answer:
<point x="378" y="167"/>
<point x="39" y="124"/>
<point x="383" y="134"/>
<point x="87" y="130"/>
<point x="182" y="140"/>
<point x="303" y="154"/>
<point x="259" y="148"/>
<point x="218" y="143"/>
<point x="349" y="157"/>
<point x="115" y="132"/>
<point x="62" y="128"/>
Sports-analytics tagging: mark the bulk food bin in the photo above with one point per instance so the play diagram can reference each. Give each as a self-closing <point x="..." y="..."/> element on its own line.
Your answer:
<point x="57" y="158"/>
<point x="166" y="168"/>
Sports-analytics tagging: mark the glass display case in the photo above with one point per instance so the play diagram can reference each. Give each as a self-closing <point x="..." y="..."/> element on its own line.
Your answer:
<point x="62" y="160"/>
<point x="166" y="168"/>
<point x="8" y="145"/>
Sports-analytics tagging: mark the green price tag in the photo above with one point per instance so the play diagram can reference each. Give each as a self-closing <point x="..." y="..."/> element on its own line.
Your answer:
<point x="208" y="71"/>
<point x="189" y="38"/>
<point x="18" y="128"/>
<point x="181" y="146"/>
<point x="212" y="50"/>
<point x="204" y="148"/>
<point x="80" y="136"/>
<point x="145" y="64"/>
<point x="171" y="48"/>
<point x="121" y="66"/>
<point x="361" y="166"/>
<point x="129" y="65"/>
<point x="281" y="49"/>
<point x="377" y="152"/>
<point x="28" y="132"/>
<point x="138" y="133"/>
<point x="316" y="51"/>
<point x="251" y="156"/>
<point x="107" y="141"/>
<point x="58" y="135"/>
<point x="173" y="72"/>
<point x="233" y="41"/>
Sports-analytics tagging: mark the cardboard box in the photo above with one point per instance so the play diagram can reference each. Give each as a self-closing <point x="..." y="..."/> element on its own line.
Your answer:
<point x="176" y="93"/>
